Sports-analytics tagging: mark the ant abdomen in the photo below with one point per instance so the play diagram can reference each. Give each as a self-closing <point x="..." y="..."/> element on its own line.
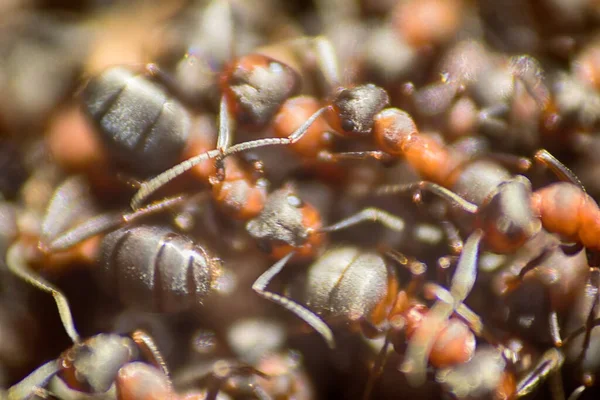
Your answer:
<point x="155" y="268"/>
<point x="350" y="283"/>
<point x="144" y="128"/>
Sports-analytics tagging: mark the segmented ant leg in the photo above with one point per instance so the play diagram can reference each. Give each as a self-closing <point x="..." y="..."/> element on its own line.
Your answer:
<point x="105" y="222"/>
<point x="419" y="348"/>
<point x="575" y="394"/>
<point x="375" y="372"/>
<point x="303" y="313"/>
<point x="326" y="156"/>
<point x="550" y="362"/>
<point x="443" y="265"/>
<point x="452" y="236"/>
<point x="35" y="380"/>
<point x="148" y="347"/>
<point x="225" y="138"/>
<point x="162" y="179"/>
<point x="370" y="214"/>
<point x="434" y="188"/>
<point x="559" y="169"/>
<point x="16" y="264"/>
<point x="417" y="269"/>
<point x="555" y="329"/>
<point x="327" y="59"/>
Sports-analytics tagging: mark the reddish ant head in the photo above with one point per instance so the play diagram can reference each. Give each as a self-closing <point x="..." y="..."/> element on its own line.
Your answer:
<point x="92" y="366"/>
<point x="287" y="223"/>
<point x="507" y="217"/>
<point x="256" y="86"/>
<point x="352" y="110"/>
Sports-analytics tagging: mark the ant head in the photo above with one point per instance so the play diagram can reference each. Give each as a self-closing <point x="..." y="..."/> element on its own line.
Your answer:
<point x="93" y="365"/>
<point x="286" y="223"/>
<point x="507" y="217"/>
<point x="353" y="109"/>
<point x="256" y="86"/>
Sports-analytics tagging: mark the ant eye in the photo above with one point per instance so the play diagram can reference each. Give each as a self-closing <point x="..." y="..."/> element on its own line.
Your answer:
<point x="295" y="201"/>
<point x="347" y="125"/>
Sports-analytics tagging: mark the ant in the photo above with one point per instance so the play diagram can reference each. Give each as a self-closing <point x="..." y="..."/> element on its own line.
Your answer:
<point x="90" y="366"/>
<point x="146" y="131"/>
<point x="150" y="262"/>
<point x="361" y="288"/>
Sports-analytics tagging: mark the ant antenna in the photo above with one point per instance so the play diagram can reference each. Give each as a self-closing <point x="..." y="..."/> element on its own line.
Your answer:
<point x="151" y="186"/>
<point x="303" y="313"/>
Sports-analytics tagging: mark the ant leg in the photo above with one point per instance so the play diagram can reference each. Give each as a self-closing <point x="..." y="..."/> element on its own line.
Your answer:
<point x="419" y="348"/>
<point x="575" y="394"/>
<point x="105" y="222"/>
<point x="550" y="363"/>
<point x="225" y="137"/>
<point x="555" y="329"/>
<point x="326" y="156"/>
<point x="434" y="188"/>
<point x="35" y="380"/>
<point x="165" y="177"/>
<point x="16" y="264"/>
<point x="417" y="269"/>
<point x="327" y="60"/>
<point x="377" y="367"/>
<point x="370" y="214"/>
<point x="559" y="169"/>
<point x="303" y="313"/>
<point x="148" y="347"/>
<point x="452" y="236"/>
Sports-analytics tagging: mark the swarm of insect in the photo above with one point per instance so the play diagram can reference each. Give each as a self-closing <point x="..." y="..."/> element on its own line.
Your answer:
<point x="299" y="200"/>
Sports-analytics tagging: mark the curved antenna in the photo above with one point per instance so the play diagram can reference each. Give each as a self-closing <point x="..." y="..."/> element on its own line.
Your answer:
<point x="15" y="262"/>
<point x="105" y="222"/>
<point x="151" y="186"/>
<point x="434" y="188"/>
<point x="302" y="312"/>
<point x="419" y="347"/>
<point x="37" y="379"/>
